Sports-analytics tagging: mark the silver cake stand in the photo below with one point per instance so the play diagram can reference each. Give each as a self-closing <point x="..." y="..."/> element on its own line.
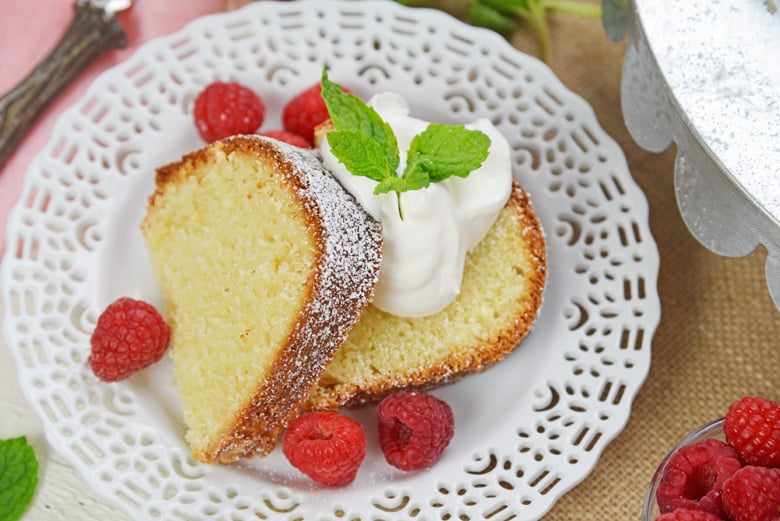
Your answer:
<point x="705" y="74"/>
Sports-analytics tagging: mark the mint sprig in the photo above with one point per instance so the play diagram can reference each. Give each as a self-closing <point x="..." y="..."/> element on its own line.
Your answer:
<point x="367" y="146"/>
<point x="508" y="16"/>
<point x="18" y="477"/>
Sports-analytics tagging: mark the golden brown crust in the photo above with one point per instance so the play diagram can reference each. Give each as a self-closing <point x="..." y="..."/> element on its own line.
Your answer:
<point x="321" y="130"/>
<point x="471" y="360"/>
<point x="338" y="289"/>
<point x="191" y="163"/>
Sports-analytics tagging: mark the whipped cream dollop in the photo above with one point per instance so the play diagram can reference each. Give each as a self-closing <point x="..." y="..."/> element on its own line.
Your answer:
<point x="424" y="253"/>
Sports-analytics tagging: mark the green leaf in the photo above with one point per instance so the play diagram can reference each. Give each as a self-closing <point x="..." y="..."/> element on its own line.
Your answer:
<point x="509" y="6"/>
<point x="485" y="16"/>
<point x="391" y="184"/>
<point x="348" y="112"/>
<point x="418" y="173"/>
<point x="361" y="155"/>
<point x="614" y="18"/>
<point x="447" y="150"/>
<point x="18" y="477"/>
<point x="367" y="146"/>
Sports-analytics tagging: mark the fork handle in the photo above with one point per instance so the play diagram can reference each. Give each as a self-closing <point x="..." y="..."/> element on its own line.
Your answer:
<point x="91" y="32"/>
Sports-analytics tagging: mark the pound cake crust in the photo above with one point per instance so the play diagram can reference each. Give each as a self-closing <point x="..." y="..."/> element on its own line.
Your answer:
<point x="500" y="298"/>
<point x="265" y="263"/>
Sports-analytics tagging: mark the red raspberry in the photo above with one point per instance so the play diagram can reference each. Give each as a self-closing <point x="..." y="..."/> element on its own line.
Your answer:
<point x="694" y="475"/>
<point x="684" y="514"/>
<point x="753" y="494"/>
<point x="225" y="109"/>
<point x="305" y="111"/>
<point x="752" y="427"/>
<point x="287" y="137"/>
<point x="326" y="446"/>
<point x="414" y="429"/>
<point x="129" y="335"/>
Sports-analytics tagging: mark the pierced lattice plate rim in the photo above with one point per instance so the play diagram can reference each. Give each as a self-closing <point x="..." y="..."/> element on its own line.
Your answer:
<point x="527" y="430"/>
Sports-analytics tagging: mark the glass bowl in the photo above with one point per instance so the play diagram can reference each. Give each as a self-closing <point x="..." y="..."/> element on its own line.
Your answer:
<point x="713" y="429"/>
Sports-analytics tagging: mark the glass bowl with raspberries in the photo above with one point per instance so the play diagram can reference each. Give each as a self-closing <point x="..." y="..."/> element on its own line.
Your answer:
<point x="725" y="470"/>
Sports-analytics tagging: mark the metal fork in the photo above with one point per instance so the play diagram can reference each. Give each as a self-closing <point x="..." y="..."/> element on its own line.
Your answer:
<point x="93" y="30"/>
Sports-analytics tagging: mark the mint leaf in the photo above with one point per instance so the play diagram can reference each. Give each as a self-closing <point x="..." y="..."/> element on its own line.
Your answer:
<point x="418" y="174"/>
<point x="447" y="150"/>
<point x="490" y="18"/>
<point x="392" y="184"/>
<point x="361" y="155"/>
<point x="366" y="145"/>
<point x="348" y="112"/>
<point x="18" y="477"/>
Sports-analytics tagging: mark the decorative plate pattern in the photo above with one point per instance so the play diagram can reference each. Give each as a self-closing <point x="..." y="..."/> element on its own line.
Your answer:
<point x="527" y="430"/>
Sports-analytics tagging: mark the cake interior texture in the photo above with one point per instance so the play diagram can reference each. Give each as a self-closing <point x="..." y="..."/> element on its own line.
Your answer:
<point x="501" y="293"/>
<point x="235" y="277"/>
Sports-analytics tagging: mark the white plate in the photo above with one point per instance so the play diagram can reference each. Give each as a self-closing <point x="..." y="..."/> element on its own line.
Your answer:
<point x="527" y="430"/>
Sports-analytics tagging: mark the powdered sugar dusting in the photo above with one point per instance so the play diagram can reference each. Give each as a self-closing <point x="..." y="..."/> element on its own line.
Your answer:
<point x="350" y="246"/>
<point x="353" y="239"/>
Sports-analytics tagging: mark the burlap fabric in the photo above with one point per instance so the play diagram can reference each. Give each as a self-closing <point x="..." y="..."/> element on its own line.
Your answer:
<point x="719" y="335"/>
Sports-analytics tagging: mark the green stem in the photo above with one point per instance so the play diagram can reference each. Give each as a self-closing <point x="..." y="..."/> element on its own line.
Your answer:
<point x="585" y="9"/>
<point x="536" y="17"/>
<point x="398" y="198"/>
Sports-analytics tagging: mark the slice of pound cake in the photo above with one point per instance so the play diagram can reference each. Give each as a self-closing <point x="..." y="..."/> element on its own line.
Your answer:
<point x="500" y="297"/>
<point x="265" y="263"/>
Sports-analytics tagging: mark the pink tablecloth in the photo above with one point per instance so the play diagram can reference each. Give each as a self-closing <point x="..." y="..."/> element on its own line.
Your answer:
<point x="28" y="31"/>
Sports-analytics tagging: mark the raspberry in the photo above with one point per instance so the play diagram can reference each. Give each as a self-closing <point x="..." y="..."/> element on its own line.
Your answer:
<point x="694" y="475"/>
<point x="752" y="427"/>
<point x="287" y="137"/>
<point x="326" y="446"/>
<point x="684" y="514"/>
<point x="753" y="494"/>
<point x="305" y="111"/>
<point x="414" y="429"/>
<point x="129" y="335"/>
<point x="225" y="109"/>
